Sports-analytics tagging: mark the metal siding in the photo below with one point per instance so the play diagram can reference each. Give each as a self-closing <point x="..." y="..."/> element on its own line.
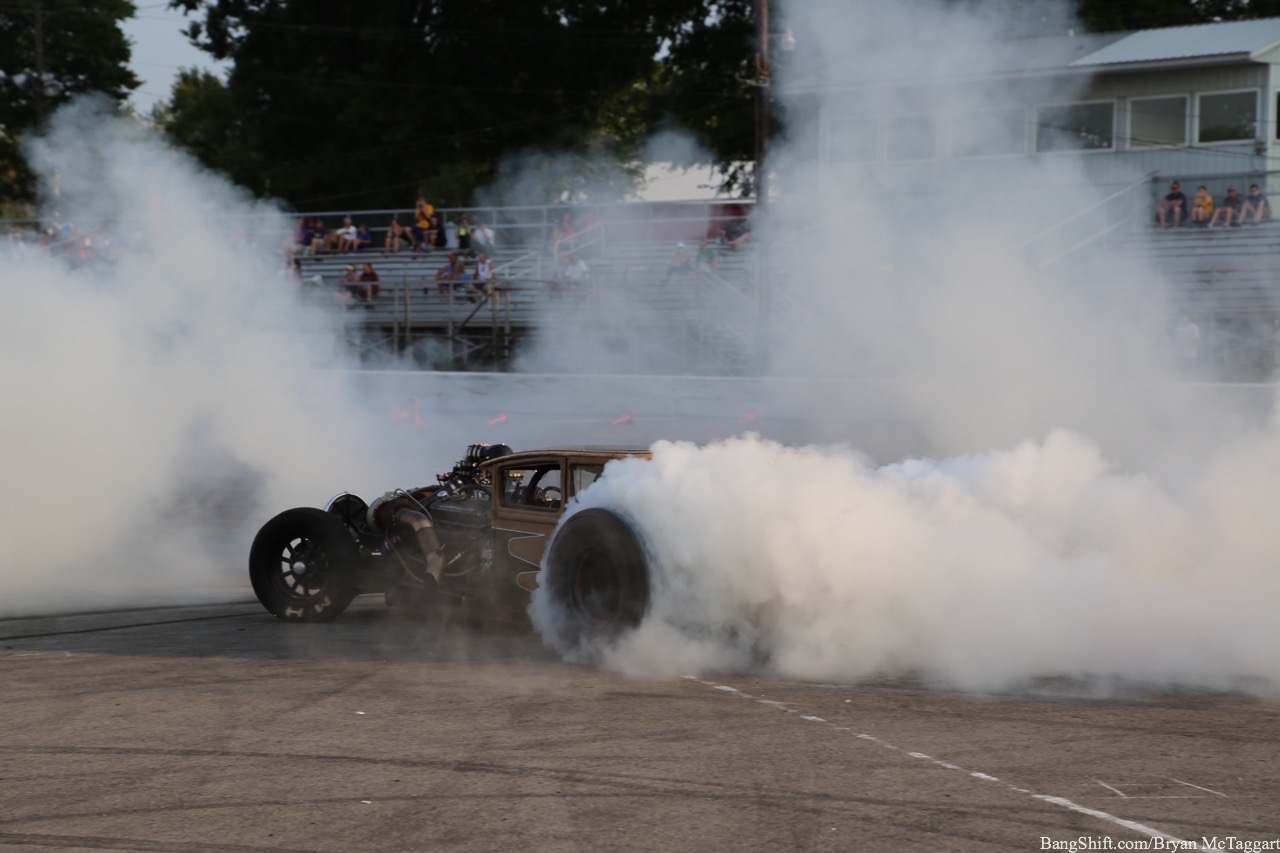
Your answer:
<point x="1153" y="83"/>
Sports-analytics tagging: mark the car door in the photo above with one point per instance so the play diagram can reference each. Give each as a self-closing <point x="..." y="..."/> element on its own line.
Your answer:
<point x="528" y="498"/>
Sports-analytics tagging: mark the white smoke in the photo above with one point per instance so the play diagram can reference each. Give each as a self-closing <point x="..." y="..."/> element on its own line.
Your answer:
<point x="985" y="571"/>
<point x="160" y="395"/>
<point x="1122" y="533"/>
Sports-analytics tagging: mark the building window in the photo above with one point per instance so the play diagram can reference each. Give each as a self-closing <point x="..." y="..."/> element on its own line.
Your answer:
<point x="852" y="140"/>
<point x="1158" y="121"/>
<point x="1228" y="116"/>
<point x="1076" y="127"/>
<point x="912" y="138"/>
<point x="989" y="133"/>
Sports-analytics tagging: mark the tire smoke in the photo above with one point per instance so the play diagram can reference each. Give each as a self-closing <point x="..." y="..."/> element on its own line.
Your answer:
<point x="987" y="571"/>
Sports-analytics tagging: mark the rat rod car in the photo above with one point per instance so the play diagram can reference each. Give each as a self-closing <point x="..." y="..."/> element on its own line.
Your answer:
<point x="476" y="539"/>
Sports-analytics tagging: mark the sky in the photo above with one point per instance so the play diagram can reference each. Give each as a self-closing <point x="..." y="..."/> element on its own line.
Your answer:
<point x="160" y="51"/>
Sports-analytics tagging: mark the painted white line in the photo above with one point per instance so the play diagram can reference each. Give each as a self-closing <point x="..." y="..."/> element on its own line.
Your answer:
<point x="1119" y="793"/>
<point x="1198" y="788"/>
<point x="1061" y="802"/>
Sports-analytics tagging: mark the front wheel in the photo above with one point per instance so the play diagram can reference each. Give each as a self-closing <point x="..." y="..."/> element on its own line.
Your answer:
<point x="303" y="565"/>
<point x="597" y="577"/>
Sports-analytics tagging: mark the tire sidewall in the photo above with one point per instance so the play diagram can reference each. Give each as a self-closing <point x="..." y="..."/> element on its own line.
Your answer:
<point x="595" y="534"/>
<point x="324" y="531"/>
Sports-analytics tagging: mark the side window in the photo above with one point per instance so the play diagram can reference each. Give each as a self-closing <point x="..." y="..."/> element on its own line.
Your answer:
<point x="535" y="487"/>
<point x="585" y="475"/>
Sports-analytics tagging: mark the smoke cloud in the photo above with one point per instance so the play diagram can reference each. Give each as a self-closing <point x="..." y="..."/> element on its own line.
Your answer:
<point x="1071" y="507"/>
<point x="161" y="380"/>
<point x="983" y="572"/>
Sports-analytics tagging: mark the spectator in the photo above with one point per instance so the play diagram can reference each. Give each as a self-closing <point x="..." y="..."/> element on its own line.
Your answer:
<point x="348" y="237"/>
<point x="737" y="233"/>
<point x="300" y="243"/>
<point x="364" y="237"/>
<point x="397" y="235"/>
<point x="576" y="272"/>
<point x="1256" y="206"/>
<point x="372" y="282"/>
<point x="448" y="275"/>
<point x="1186" y="344"/>
<point x="483" y="237"/>
<point x="484" y="274"/>
<point x="423" y="211"/>
<point x="1229" y="210"/>
<point x="439" y="236"/>
<point x="1172" y="207"/>
<point x="707" y="256"/>
<point x="351" y="286"/>
<point x="563" y="237"/>
<point x="464" y="237"/>
<point x="681" y="262"/>
<point x="1202" y="207"/>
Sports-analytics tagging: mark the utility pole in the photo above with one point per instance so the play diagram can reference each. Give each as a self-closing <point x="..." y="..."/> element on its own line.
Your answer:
<point x="39" y="67"/>
<point x="761" y="228"/>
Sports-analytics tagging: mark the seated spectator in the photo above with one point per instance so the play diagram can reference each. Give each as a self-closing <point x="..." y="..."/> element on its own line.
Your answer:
<point x="736" y="233"/>
<point x="397" y="236"/>
<point x="464" y="237"/>
<point x="484" y="274"/>
<point x="348" y="239"/>
<point x="563" y="237"/>
<point x="447" y="276"/>
<point x="1229" y="210"/>
<point x="1256" y="208"/>
<point x="372" y="282"/>
<point x="681" y="262"/>
<point x="707" y="256"/>
<point x="1201" y="207"/>
<point x="439" y="236"/>
<point x="351" y="286"/>
<point x="364" y="237"/>
<point x="1172" y="207"/>
<point x="576" y="272"/>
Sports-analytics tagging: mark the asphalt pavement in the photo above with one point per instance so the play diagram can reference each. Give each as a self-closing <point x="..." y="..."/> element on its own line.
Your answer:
<point x="221" y="729"/>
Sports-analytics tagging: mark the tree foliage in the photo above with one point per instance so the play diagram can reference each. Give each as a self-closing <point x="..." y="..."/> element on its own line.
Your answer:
<point x="1110" y="16"/>
<point x="50" y="52"/>
<point x="347" y="106"/>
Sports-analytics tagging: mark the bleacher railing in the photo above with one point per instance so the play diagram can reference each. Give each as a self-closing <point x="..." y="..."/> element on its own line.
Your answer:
<point x="1115" y="213"/>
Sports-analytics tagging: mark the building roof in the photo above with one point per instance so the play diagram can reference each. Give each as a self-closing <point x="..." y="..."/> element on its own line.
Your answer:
<point x="1224" y="41"/>
<point x="1198" y="44"/>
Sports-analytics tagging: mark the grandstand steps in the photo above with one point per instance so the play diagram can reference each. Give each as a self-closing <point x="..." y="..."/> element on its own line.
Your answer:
<point x="1227" y="280"/>
<point x="708" y="317"/>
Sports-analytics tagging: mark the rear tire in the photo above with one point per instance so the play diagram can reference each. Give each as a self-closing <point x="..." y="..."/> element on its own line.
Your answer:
<point x="303" y="565"/>
<point x="597" y="576"/>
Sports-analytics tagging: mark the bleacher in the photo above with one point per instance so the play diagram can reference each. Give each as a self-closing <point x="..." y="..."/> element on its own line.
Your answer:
<point x="1219" y="272"/>
<point x="706" y="314"/>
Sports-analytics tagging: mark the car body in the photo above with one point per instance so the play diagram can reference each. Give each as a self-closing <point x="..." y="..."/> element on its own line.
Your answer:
<point x="490" y="520"/>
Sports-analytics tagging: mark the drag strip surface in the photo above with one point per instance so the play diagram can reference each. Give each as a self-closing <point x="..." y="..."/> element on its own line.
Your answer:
<point x="221" y="729"/>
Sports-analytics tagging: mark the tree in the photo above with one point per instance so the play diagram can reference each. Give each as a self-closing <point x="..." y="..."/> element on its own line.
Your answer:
<point x="50" y="52"/>
<point x="1109" y="16"/>
<point x="351" y="106"/>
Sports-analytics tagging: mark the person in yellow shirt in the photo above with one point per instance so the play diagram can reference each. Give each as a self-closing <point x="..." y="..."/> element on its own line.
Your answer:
<point x="422" y="213"/>
<point x="1201" y="207"/>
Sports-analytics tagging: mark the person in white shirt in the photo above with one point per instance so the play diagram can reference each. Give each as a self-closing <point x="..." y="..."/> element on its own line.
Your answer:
<point x="576" y="272"/>
<point x="484" y="273"/>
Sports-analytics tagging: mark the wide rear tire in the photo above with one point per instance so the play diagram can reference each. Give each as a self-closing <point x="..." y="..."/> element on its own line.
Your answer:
<point x="597" y="576"/>
<point x="303" y="565"/>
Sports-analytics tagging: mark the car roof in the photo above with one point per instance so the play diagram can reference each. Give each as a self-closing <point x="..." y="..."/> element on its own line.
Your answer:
<point x="590" y="451"/>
